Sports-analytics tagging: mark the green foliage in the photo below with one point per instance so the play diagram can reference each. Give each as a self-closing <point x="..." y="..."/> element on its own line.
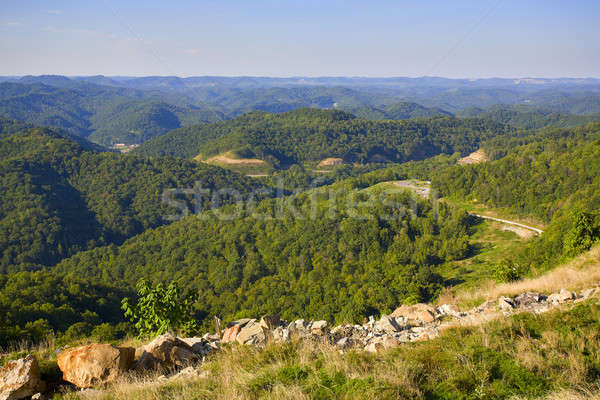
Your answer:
<point x="584" y="232"/>
<point x="545" y="176"/>
<point x="160" y="309"/>
<point x="331" y="266"/>
<point x="104" y="114"/>
<point x="60" y="197"/>
<point x="507" y="271"/>
<point x="401" y="110"/>
<point x="312" y="135"/>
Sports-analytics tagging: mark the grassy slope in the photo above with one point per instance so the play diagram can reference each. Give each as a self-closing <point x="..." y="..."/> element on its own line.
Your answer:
<point x="522" y="356"/>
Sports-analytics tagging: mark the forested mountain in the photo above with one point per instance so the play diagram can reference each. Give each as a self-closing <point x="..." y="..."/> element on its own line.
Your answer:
<point x="528" y="117"/>
<point x="401" y="110"/>
<point x="328" y="264"/>
<point x="553" y="176"/>
<point x="59" y="197"/>
<point x="312" y="135"/>
<point x="102" y="114"/>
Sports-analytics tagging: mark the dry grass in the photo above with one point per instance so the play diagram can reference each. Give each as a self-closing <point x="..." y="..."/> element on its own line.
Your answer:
<point x="580" y="273"/>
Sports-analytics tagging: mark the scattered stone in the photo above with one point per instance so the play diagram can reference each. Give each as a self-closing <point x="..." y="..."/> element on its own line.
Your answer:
<point x="528" y="299"/>
<point x="386" y="325"/>
<point x="506" y="304"/>
<point x="318" y="327"/>
<point x="38" y="396"/>
<point x="252" y="333"/>
<point x="20" y="379"/>
<point x="201" y="346"/>
<point x="449" y="309"/>
<point x="589" y="293"/>
<point x="561" y="297"/>
<point x="373" y="347"/>
<point x="86" y="366"/>
<point x="166" y="352"/>
<point x="486" y="306"/>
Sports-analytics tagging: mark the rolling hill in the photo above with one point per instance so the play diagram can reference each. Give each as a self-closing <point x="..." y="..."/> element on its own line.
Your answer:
<point x="60" y="197"/>
<point x="310" y="135"/>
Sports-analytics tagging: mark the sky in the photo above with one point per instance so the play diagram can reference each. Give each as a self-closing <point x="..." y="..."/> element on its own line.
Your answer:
<point x="456" y="39"/>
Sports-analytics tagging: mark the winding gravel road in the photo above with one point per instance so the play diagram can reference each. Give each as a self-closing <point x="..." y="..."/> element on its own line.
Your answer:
<point x="505" y="221"/>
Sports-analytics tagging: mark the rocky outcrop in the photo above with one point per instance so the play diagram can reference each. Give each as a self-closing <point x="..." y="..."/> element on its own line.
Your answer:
<point x="20" y="379"/>
<point x="168" y="352"/>
<point x="92" y="364"/>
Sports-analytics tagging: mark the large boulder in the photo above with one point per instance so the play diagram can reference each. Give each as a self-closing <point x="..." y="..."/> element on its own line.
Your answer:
<point x="252" y="333"/>
<point x="387" y="324"/>
<point x="86" y="366"/>
<point x="20" y="379"/>
<point x="416" y="314"/>
<point x="166" y="352"/>
<point x="233" y="329"/>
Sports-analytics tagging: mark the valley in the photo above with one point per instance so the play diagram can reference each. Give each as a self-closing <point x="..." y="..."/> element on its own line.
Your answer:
<point x="307" y="214"/>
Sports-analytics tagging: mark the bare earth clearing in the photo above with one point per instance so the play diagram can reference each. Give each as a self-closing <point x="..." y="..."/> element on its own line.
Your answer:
<point x="226" y="159"/>
<point x="474" y="158"/>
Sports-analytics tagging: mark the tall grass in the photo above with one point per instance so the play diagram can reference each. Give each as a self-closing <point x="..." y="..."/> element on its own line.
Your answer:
<point x="555" y="355"/>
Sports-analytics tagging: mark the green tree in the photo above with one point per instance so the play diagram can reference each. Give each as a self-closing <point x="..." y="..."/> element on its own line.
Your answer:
<point x="160" y="309"/>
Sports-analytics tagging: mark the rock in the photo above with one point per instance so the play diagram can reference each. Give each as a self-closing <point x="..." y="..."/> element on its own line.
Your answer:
<point x="20" y="379"/>
<point x="275" y="329"/>
<point x="199" y="345"/>
<point x="589" y="293"/>
<point x="449" y="309"/>
<point x="416" y="314"/>
<point x="271" y="322"/>
<point x="487" y="305"/>
<point x="188" y="373"/>
<point x="279" y="335"/>
<point x="565" y="295"/>
<point x="386" y="324"/>
<point x="93" y="364"/>
<point x="233" y="329"/>
<point x="252" y="333"/>
<point x="318" y="327"/>
<point x="528" y="299"/>
<point x="373" y="347"/>
<point x="505" y="304"/>
<point x="343" y="342"/>
<point x="561" y="297"/>
<point x="299" y="329"/>
<point x="166" y="352"/>
<point x="38" y="396"/>
<point x="390" y="342"/>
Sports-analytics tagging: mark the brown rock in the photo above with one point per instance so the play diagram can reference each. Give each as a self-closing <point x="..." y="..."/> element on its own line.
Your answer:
<point x="270" y="322"/>
<point x="86" y="366"/>
<point x="416" y="314"/>
<point x="233" y="329"/>
<point x="20" y="379"/>
<point x="252" y="333"/>
<point x="166" y="352"/>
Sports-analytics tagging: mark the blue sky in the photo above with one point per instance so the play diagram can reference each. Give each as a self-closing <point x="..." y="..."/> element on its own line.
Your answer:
<point x="467" y="39"/>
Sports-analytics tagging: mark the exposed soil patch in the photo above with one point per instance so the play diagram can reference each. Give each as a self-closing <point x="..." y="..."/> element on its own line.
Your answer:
<point x="225" y="159"/>
<point x="474" y="158"/>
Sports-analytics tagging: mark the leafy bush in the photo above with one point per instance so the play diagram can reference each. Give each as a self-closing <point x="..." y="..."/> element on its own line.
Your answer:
<point x="160" y="309"/>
